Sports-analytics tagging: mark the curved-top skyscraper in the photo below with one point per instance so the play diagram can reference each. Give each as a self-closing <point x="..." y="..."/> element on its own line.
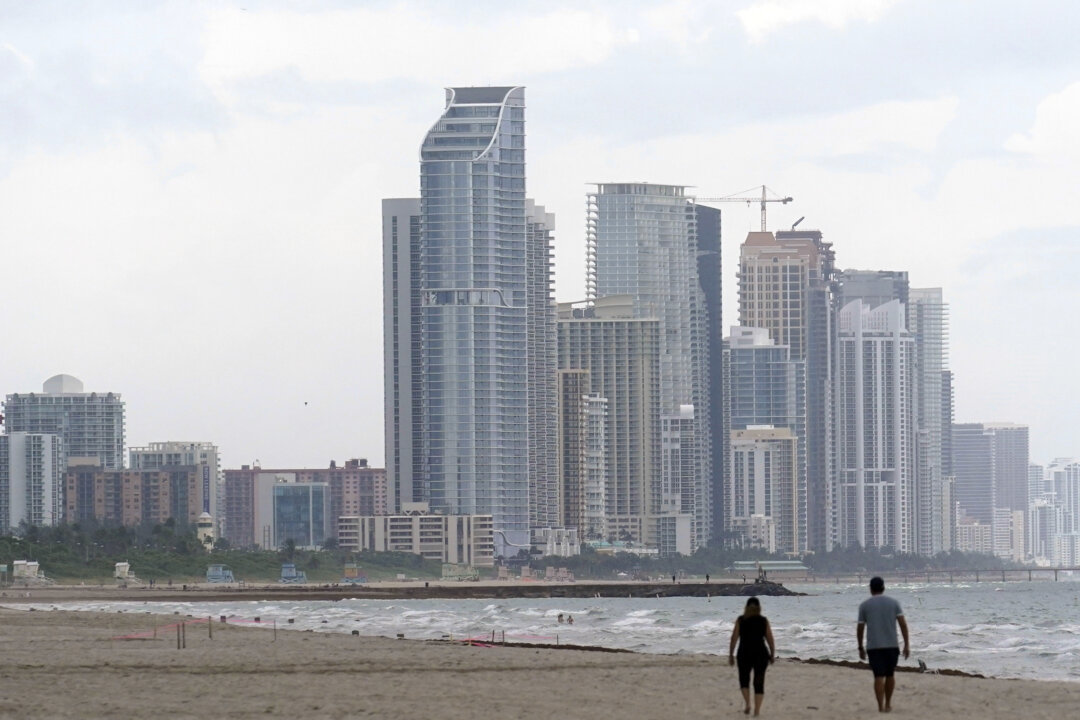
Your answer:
<point x="472" y="277"/>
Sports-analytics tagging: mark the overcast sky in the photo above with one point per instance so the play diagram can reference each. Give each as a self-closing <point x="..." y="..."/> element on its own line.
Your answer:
<point x="189" y="192"/>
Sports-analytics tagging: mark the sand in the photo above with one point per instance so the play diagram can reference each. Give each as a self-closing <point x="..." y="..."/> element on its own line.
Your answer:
<point x="70" y="665"/>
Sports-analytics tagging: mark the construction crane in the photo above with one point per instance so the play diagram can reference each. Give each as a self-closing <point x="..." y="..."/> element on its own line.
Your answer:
<point x="742" y="197"/>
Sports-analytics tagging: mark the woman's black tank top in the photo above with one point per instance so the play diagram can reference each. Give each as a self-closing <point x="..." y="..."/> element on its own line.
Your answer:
<point x="752" y="636"/>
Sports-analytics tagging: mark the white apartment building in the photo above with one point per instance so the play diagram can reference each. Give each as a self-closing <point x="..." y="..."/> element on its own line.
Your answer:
<point x="875" y="493"/>
<point x="763" y="490"/>
<point x="1008" y="533"/>
<point x="456" y="539"/>
<point x="974" y="536"/>
<point x="90" y="424"/>
<point x="31" y="480"/>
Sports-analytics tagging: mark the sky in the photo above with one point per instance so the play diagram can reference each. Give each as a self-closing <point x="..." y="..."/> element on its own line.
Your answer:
<point x="190" y="191"/>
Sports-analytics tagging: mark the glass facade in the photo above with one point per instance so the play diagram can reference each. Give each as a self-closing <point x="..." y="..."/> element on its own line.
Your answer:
<point x="642" y="241"/>
<point x="473" y="321"/>
<point x="302" y="514"/>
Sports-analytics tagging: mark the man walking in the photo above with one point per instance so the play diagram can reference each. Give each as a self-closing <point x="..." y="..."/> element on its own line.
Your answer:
<point x="878" y="618"/>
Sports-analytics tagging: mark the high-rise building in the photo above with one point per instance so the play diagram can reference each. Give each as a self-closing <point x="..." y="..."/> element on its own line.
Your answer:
<point x="764" y="484"/>
<point x="620" y="356"/>
<point x="401" y="350"/>
<point x="542" y="365"/>
<point x="875" y="496"/>
<point x="133" y="497"/>
<point x="873" y="287"/>
<point x="1063" y="484"/>
<point x="710" y="276"/>
<point x="264" y="508"/>
<point x="973" y="467"/>
<point x="467" y="285"/>
<point x="90" y="424"/>
<point x="991" y="465"/>
<point x="174" y="454"/>
<point x="926" y="318"/>
<point x="1036" y="482"/>
<point x="787" y="285"/>
<point x="583" y="420"/>
<point x="642" y="241"/>
<point x="765" y="387"/>
<point x="928" y="322"/>
<point x="31" y="480"/>
<point x="353" y="489"/>
<point x="1011" y="461"/>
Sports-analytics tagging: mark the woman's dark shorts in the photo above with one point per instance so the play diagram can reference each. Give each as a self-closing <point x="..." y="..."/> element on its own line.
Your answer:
<point x="883" y="661"/>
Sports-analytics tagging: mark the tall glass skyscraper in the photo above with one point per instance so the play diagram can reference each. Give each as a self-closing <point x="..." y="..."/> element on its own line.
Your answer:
<point x="469" y="300"/>
<point x="642" y="241"/>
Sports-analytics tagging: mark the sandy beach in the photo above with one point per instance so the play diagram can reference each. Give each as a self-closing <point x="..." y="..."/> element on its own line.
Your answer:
<point x="79" y="665"/>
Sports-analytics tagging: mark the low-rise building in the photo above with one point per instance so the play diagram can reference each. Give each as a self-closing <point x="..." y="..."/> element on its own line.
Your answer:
<point x="458" y="539"/>
<point x="354" y="489"/>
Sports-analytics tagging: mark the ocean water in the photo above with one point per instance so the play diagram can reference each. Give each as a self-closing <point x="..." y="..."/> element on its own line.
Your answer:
<point x="1012" y="630"/>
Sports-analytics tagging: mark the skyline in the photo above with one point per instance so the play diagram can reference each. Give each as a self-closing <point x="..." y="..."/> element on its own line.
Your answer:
<point x="218" y="254"/>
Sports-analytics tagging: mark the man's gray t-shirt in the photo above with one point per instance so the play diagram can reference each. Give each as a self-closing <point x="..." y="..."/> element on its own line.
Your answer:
<point x="879" y="612"/>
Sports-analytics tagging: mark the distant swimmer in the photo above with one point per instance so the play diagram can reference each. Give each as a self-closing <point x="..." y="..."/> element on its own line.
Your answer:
<point x="878" y="618"/>
<point x="570" y="620"/>
<point x="560" y="618"/>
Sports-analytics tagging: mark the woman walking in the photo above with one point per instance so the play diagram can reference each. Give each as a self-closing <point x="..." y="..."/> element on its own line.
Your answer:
<point x="753" y="635"/>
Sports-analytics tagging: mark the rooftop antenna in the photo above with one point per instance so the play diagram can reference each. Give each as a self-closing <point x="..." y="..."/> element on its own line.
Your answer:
<point x="796" y="223"/>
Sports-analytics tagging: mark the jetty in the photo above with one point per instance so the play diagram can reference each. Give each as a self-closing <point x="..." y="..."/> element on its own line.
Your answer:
<point x="415" y="590"/>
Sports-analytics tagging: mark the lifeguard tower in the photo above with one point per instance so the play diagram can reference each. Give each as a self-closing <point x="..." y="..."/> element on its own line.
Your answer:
<point x="353" y="574"/>
<point x="124" y="576"/>
<point x="28" y="572"/>
<point x="219" y="574"/>
<point x="289" y="574"/>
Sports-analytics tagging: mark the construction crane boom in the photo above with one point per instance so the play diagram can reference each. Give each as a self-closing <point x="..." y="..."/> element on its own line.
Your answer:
<point x="742" y="197"/>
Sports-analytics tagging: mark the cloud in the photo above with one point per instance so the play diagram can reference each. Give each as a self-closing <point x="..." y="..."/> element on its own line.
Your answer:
<point x="767" y="16"/>
<point x="19" y="55"/>
<point x="683" y="24"/>
<point x="1053" y="136"/>
<point x="404" y="42"/>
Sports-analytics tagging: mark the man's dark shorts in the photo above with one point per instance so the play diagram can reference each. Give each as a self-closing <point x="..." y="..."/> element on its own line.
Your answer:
<point x="883" y="661"/>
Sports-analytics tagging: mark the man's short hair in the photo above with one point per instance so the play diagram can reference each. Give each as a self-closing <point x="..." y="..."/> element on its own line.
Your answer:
<point x="877" y="584"/>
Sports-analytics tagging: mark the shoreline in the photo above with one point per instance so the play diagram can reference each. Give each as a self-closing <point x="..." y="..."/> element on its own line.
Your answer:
<point x="498" y="640"/>
<point x="130" y="665"/>
<point x="483" y="590"/>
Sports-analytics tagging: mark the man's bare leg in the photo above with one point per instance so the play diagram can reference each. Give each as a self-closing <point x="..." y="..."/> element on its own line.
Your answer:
<point x="746" y="699"/>
<point x="890" y="683"/>
<point x="879" y="693"/>
<point x="757" y="703"/>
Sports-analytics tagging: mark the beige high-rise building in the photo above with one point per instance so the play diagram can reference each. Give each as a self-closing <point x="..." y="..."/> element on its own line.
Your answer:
<point x="787" y="285"/>
<point x="621" y="354"/>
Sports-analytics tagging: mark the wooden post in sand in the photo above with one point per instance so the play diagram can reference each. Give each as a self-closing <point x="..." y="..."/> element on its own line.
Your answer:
<point x="275" y="630"/>
<point x="210" y="625"/>
<point x="178" y="637"/>
<point x="183" y="633"/>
